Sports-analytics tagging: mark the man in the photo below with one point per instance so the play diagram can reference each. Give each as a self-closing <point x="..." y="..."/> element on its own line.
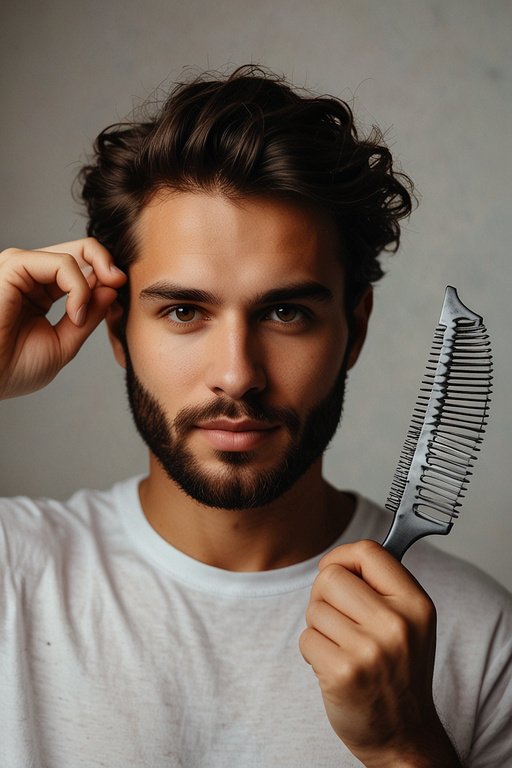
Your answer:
<point x="162" y="623"/>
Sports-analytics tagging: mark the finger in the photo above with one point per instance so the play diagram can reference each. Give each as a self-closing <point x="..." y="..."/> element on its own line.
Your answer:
<point x="317" y="648"/>
<point x="89" y="251"/>
<point x="54" y="293"/>
<point x="334" y="625"/>
<point x="333" y="668"/>
<point x="348" y="594"/>
<point x="378" y="575"/>
<point x="371" y="645"/>
<point x="27" y="271"/>
<point x="71" y="337"/>
<point x="372" y="563"/>
<point x="343" y="673"/>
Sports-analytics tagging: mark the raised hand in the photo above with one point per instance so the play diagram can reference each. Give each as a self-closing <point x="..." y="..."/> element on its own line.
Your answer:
<point x="32" y="350"/>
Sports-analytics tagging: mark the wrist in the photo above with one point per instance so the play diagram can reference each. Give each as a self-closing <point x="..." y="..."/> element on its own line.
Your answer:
<point x="430" y="748"/>
<point x="432" y="760"/>
<point x="437" y="753"/>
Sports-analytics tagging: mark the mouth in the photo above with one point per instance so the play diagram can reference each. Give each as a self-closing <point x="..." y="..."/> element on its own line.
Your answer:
<point x="243" y="435"/>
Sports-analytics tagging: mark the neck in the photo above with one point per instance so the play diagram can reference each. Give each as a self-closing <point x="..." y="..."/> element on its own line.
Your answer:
<point x="303" y="522"/>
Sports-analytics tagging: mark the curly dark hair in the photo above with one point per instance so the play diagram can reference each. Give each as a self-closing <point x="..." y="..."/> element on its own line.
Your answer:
<point x="250" y="133"/>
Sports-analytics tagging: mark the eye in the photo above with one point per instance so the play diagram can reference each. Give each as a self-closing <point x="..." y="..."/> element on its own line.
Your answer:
<point x="286" y="313"/>
<point x="182" y="314"/>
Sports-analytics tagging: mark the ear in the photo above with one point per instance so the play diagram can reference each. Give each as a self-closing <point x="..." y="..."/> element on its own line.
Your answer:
<point x="114" y="321"/>
<point x="359" y="325"/>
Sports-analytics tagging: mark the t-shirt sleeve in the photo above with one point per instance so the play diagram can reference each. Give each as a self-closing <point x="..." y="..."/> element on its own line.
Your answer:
<point x="492" y="741"/>
<point x="473" y="675"/>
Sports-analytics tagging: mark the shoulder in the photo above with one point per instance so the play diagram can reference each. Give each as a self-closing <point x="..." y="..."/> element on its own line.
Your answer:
<point x="457" y="585"/>
<point x="33" y="529"/>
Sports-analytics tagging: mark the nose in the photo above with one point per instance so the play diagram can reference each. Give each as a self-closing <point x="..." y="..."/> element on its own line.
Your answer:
<point x="235" y="361"/>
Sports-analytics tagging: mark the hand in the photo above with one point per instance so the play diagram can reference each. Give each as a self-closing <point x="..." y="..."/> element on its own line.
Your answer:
<point x="370" y="639"/>
<point x="32" y="351"/>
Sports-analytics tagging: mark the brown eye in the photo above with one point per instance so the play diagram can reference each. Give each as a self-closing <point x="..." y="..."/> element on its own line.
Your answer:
<point x="183" y="314"/>
<point x="287" y="313"/>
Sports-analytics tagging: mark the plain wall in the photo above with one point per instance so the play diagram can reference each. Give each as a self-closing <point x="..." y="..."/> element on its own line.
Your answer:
<point x="436" y="77"/>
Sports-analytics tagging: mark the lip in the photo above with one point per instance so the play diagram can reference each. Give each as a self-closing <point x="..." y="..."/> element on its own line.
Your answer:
<point x="242" y="425"/>
<point x="227" y="435"/>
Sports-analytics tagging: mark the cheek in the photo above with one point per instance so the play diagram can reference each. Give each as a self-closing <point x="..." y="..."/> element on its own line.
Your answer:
<point x="163" y="363"/>
<point x="307" y="373"/>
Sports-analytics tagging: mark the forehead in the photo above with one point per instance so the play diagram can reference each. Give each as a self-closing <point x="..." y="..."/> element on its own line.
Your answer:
<point x="200" y="238"/>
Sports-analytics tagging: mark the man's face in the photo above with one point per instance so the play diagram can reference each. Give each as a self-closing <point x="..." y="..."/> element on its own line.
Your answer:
<point x="236" y="343"/>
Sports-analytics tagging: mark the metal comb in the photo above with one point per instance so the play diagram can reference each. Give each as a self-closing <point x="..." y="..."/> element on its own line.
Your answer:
<point x="445" y="431"/>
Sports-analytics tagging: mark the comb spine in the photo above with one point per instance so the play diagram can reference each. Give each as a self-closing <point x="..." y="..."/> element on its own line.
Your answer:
<point x="406" y="528"/>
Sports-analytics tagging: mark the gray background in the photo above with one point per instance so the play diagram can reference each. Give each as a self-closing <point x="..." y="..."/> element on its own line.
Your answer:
<point x="436" y="76"/>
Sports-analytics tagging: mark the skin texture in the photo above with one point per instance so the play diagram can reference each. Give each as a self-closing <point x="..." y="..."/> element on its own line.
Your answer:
<point x="234" y="348"/>
<point x="370" y="628"/>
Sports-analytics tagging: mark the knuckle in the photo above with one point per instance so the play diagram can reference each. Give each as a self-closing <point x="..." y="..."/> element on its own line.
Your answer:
<point x="371" y="654"/>
<point x="8" y="252"/>
<point x="368" y="547"/>
<point x="68" y="260"/>
<point x="72" y="270"/>
<point x="330" y="574"/>
<point x="94" y="245"/>
<point x="346" y="675"/>
<point x="10" y="256"/>
<point x="398" y="632"/>
<point x="427" y="614"/>
<point x="305" y="640"/>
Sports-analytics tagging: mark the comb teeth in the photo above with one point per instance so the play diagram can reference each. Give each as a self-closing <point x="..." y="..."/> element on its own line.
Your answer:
<point x="448" y="420"/>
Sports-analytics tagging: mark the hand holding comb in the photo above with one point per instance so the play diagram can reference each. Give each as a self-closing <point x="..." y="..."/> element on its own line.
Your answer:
<point x="445" y="431"/>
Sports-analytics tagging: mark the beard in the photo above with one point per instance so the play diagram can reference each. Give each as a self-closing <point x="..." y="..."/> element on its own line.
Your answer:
<point x="237" y="484"/>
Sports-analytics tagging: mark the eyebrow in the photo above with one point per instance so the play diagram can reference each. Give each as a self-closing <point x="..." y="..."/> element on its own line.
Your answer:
<point x="290" y="292"/>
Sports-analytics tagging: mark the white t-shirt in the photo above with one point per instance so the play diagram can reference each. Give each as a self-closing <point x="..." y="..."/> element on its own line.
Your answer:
<point x="117" y="650"/>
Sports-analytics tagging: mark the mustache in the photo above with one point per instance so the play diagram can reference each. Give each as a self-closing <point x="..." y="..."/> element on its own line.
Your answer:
<point x="188" y="417"/>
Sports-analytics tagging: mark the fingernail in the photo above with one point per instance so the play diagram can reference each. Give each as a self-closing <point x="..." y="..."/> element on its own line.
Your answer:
<point x="80" y="315"/>
<point x="116" y="271"/>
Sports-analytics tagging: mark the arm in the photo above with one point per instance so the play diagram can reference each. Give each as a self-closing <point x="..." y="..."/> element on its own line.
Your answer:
<point x="32" y="351"/>
<point x="370" y="639"/>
